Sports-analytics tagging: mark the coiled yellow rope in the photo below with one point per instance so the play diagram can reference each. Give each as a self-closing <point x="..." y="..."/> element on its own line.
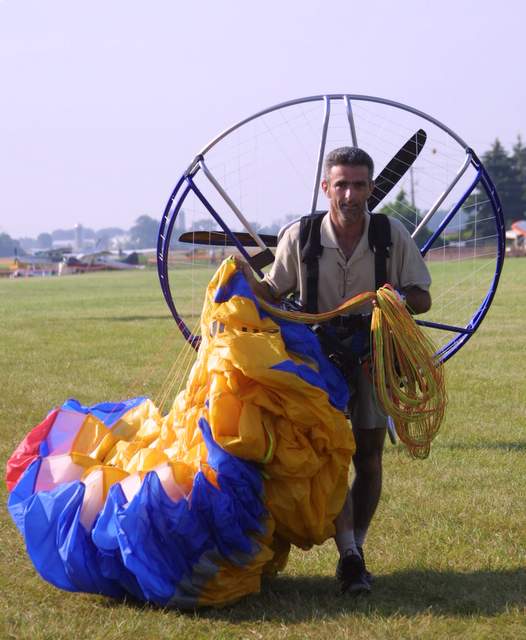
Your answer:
<point x="408" y="380"/>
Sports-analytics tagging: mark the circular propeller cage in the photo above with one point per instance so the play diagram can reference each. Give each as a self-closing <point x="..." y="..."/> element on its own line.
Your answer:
<point x="266" y="170"/>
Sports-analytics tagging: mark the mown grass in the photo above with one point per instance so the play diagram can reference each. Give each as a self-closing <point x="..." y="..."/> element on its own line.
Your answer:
<point x="447" y="545"/>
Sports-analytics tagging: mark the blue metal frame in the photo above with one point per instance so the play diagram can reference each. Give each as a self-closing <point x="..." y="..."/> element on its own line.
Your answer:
<point x="463" y="333"/>
<point x="163" y="246"/>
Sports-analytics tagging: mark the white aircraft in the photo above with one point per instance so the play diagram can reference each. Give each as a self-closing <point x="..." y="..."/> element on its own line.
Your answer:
<point x="102" y="261"/>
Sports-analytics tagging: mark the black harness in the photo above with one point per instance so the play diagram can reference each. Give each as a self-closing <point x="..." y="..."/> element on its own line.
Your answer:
<point x="345" y="340"/>
<point x="311" y="250"/>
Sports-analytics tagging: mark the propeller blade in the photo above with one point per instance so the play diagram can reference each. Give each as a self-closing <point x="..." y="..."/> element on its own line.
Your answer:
<point x="396" y="168"/>
<point x="222" y="239"/>
<point x="390" y="175"/>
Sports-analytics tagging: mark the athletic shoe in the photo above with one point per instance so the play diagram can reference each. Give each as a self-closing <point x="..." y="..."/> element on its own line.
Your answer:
<point x="368" y="574"/>
<point x="351" y="574"/>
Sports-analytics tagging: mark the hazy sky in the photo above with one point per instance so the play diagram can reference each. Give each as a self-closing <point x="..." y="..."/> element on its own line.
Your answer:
<point x="105" y="102"/>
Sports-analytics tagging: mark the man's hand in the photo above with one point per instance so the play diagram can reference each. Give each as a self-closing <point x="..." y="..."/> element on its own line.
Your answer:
<point x="259" y="287"/>
<point x="246" y="270"/>
<point x="417" y="300"/>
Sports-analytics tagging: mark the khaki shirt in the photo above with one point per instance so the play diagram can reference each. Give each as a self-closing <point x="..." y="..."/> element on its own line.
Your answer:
<point x="341" y="278"/>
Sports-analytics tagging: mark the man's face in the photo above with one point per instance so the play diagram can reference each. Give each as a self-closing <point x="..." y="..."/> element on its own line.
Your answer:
<point x="348" y="189"/>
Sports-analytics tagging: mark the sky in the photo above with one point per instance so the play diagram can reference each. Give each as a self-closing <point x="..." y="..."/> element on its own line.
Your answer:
<point x="104" y="103"/>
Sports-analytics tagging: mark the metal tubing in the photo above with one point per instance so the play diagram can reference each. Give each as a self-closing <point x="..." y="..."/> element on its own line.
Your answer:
<point x="335" y="96"/>
<point x="428" y="244"/>
<point x="232" y="205"/>
<point x="350" y="117"/>
<point x="443" y="327"/>
<point x="169" y="216"/>
<point x="321" y="153"/>
<point x="451" y="348"/>
<point x="444" y="195"/>
<point x="162" y="264"/>
<point x="220" y="222"/>
<point x="163" y="233"/>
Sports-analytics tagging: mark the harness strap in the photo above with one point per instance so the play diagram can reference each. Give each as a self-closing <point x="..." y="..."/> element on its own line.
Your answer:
<point x="311" y="250"/>
<point x="379" y="243"/>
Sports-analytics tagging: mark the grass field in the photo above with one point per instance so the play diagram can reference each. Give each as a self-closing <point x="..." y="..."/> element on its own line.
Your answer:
<point x="448" y="544"/>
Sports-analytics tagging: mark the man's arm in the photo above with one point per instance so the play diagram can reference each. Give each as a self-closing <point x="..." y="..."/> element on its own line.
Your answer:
<point x="283" y="277"/>
<point x="417" y="300"/>
<point x="260" y="288"/>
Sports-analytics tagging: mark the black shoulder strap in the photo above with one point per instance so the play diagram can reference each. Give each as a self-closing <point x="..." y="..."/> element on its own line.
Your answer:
<point x="379" y="242"/>
<point x="311" y="250"/>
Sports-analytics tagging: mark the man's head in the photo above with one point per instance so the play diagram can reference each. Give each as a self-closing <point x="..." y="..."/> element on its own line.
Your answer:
<point x="348" y="183"/>
<point x="350" y="157"/>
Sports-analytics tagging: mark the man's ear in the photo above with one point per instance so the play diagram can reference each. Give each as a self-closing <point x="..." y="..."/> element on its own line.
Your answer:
<point x="324" y="186"/>
<point x="371" y="187"/>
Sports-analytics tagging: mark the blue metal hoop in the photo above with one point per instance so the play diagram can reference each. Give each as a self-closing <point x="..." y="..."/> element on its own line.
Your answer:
<point x="186" y="184"/>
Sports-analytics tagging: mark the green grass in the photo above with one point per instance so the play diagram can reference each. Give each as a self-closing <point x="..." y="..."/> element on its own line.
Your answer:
<point x="448" y="542"/>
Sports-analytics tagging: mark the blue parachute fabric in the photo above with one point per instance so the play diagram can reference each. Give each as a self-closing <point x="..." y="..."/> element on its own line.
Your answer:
<point x="108" y="536"/>
<point x="239" y="479"/>
<point x="159" y="539"/>
<point x="44" y="526"/>
<point x="79" y="555"/>
<point x="147" y="546"/>
<point x="107" y="412"/>
<point x="115" y="499"/>
<point x="22" y="494"/>
<point x="237" y="285"/>
<point x="298" y="338"/>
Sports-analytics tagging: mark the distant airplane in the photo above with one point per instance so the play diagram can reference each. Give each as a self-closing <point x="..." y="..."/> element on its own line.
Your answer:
<point x="63" y="262"/>
<point x="517" y="237"/>
<point x="101" y="261"/>
<point x="24" y="266"/>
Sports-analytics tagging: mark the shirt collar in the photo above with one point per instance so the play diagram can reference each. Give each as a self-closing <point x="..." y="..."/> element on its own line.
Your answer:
<point x="328" y="235"/>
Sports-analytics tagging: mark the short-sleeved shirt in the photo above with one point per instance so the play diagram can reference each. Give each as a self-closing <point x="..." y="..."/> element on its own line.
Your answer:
<point x="341" y="278"/>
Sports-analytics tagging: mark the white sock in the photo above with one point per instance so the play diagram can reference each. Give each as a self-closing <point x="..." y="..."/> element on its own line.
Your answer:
<point x="346" y="543"/>
<point x="359" y="536"/>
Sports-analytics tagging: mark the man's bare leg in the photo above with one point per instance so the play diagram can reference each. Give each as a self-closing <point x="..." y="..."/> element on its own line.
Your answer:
<point x="351" y="572"/>
<point x="344" y="537"/>
<point x="367" y="485"/>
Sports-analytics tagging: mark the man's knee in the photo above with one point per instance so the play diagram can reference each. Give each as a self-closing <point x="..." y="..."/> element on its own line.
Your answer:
<point x="368" y="464"/>
<point x="369" y="449"/>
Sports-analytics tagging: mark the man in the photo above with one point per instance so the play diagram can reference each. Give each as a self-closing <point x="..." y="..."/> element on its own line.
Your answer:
<point x="346" y="267"/>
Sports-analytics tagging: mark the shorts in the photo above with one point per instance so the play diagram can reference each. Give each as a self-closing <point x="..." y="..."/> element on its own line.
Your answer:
<point x="363" y="410"/>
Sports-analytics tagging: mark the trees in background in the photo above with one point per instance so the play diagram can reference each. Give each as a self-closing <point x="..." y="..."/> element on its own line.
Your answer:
<point x="408" y="215"/>
<point x="9" y="247"/>
<point x="402" y="210"/>
<point x="44" y="241"/>
<point x="143" y="234"/>
<point x="508" y="172"/>
<point x="506" y="168"/>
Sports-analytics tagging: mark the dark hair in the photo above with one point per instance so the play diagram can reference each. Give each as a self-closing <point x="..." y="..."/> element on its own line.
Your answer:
<point x="349" y="156"/>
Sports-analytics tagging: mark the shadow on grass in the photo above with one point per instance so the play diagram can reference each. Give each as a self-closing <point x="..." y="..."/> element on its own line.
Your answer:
<point x="481" y="446"/>
<point x="298" y="599"/>
<point x="403" y="593"/>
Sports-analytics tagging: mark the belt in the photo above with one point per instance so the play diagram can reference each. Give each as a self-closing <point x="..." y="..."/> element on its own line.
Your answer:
<point x="351" y="323"/>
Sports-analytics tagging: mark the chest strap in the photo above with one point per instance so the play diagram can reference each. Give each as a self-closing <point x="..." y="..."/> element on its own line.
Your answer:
<point x="311" y="249"/>
<point x="380" y="243"/>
